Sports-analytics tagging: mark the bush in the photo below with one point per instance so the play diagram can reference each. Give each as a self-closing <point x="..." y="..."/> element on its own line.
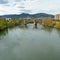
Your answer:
<point x="57" y="25"/>
<point x="48" y="22"/>
<point x="3" y="24"/>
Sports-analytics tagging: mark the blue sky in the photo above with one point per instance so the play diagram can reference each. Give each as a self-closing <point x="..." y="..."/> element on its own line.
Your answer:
<point x="29" y="6"/>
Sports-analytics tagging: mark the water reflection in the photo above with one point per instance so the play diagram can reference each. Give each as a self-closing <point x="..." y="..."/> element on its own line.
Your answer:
<point x="47" y="29"/>
<point x="35" y="26"/>
<point x="23" y="26"/>
<point x="30" y="44"/>
<point x="3" y="33"/>
<point x="58" y="31"/>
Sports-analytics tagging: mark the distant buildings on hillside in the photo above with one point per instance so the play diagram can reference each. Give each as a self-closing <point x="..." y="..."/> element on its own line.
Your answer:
<point x="8" y="18"/>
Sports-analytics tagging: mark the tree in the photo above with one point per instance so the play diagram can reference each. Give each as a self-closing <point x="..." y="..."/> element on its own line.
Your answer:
<point x="3" y="23"/>
<point x="57" y="25"/>
<point x="47" y="22"/>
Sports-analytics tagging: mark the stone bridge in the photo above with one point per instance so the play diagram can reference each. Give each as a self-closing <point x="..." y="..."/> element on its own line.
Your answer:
<point x="24" y="22"/>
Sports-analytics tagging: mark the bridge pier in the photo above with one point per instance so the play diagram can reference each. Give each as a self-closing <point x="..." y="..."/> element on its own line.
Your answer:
<point x="24" y="23"/>
<point x="35" y="23"/>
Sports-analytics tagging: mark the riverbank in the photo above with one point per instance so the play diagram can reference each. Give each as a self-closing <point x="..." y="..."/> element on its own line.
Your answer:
<point x="8" y="23"/>
<point x="51" y="23"/>
<point x="48" y="22"/>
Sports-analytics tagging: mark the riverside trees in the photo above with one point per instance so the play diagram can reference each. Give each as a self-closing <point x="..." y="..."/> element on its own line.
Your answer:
<point x="47" y="22"/>
<point x="3" y="23"/>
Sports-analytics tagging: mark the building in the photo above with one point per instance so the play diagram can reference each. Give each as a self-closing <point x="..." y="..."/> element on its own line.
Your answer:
<point x="57" y="16"/>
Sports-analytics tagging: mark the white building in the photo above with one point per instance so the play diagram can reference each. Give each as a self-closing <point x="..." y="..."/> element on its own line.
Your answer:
<point x="8" y="18"/>
<point x="57" y="16"/>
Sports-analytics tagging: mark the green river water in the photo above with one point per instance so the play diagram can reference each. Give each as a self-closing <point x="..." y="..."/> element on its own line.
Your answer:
<point x="29" y="43"/>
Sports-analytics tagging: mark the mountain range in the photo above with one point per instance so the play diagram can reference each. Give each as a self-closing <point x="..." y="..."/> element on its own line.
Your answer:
<point x="25" y="15"/>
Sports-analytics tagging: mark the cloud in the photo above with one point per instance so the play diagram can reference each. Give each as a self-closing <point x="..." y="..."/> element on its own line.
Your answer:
<point x="3" y="1"/>
<point x="25" y="11"/>
<point x="29" y="6"/>
<point x="21" y="7"/>
<point x="19" y="0"/>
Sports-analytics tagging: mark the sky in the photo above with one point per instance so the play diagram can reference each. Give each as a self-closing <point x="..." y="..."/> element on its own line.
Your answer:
<point x="29" y="6"/>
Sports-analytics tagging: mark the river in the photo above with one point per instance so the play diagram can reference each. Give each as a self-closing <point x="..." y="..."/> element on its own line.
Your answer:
<point x="29" y="43"/>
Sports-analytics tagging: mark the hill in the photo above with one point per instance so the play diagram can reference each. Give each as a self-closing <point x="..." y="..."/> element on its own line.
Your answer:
<point x="25" y="15"/>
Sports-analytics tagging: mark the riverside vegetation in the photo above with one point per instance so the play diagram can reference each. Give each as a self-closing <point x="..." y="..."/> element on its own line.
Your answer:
<point x="9" y="23"/>
<point x="47" y="22"/>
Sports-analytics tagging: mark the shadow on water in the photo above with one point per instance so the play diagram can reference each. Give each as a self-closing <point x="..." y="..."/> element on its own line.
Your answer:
<point x="3" y="32"/>
<point x="48" y="29"/>
<point x="23" y="26"/>
<point x="35" y="27"/>
<point x="58" y="31"/>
